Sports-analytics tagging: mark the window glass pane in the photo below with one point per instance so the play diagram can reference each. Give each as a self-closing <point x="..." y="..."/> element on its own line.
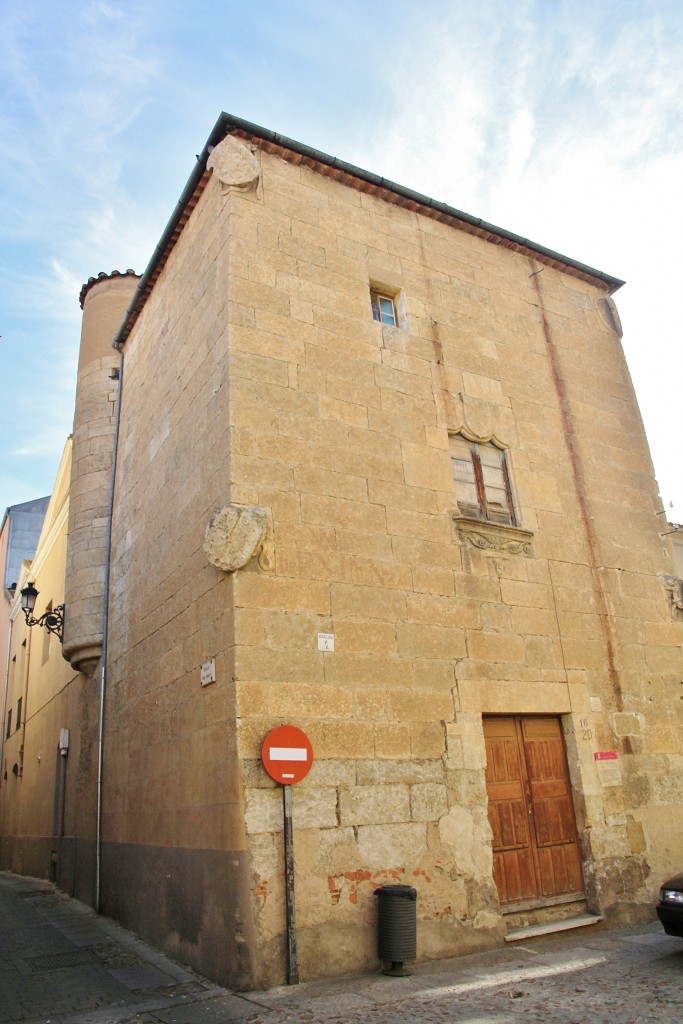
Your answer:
<point x="493" y="476"/>
<point x="463" y="473"/>
<point x="387" y="313"/>
<point x="465" y="488"/>
<point x="383" y="308"/>
<point x="461" y="449"/>
<point x="494" y="487"/>
<point x="497" y="497"/>
<point x="490" y="455"/>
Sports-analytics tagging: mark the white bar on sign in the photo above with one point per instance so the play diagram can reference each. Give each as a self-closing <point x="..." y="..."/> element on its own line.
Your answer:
<point x="288" y="754"/>
<point x="288" y="775"/>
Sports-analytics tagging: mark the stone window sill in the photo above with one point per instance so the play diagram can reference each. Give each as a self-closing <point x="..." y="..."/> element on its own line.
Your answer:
<point x="493" y="537"/>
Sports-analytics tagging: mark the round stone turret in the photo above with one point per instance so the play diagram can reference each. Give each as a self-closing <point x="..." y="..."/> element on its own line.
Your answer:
<point x="104" y="300"/>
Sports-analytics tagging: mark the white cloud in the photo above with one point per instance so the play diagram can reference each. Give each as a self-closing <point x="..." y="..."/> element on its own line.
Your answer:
<point x="69" y="283"/>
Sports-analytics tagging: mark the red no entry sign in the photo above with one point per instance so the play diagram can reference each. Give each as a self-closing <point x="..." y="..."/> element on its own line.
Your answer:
<point x="287" y="754"/>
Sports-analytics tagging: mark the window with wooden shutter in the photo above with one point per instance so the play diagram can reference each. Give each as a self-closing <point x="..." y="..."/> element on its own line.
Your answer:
<point x="482" y="481"/>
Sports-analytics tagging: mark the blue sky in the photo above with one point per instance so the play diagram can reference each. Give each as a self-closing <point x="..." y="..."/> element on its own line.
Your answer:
<point x="561" y="120"/>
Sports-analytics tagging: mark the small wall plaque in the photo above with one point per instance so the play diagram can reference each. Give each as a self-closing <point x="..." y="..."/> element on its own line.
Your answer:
<point x="207" y="673"/>
<point x="609" y="771"/>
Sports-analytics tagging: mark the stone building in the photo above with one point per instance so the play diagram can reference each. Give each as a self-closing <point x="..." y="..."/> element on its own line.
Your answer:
<point x="379" y="474"/>
<point x="40" y="700"/>
<point x="19" y="533"/>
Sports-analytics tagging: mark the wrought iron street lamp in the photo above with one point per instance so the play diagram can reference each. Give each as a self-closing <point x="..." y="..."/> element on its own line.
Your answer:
<point x="52" y="619"/>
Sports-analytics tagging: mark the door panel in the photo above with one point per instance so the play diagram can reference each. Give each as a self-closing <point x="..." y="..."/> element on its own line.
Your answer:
<point x="513" y="868"/>
<point x="552" y="810"/>
<point x="535" y="849"/>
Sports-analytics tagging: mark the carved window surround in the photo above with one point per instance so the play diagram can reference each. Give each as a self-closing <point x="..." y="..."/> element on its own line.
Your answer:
<point x="493" y="537"/>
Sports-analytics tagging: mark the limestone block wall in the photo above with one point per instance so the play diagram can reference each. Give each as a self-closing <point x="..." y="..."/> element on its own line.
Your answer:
<point x="173" y="836"/>
<point x="256" y="377"/>
<point x="341" y="427"/>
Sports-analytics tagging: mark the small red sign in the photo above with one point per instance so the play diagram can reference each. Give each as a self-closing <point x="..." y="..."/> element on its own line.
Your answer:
<point x="287" y="754"/>
<point x="605" y="755"/>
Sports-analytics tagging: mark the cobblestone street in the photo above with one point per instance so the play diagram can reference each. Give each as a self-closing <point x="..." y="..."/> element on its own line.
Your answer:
<point x="61" y="963"/>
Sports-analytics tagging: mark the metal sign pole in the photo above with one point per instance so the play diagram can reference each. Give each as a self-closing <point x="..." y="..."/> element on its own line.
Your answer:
<point x="292" y="965"/>
<point x="287" y="756"/>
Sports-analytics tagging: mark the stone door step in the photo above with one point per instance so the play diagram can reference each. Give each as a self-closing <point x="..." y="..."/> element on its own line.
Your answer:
<point x="552" y="926"/>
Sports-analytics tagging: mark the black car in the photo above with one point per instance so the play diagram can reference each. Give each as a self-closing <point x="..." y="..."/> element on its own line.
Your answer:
<point x="670" y="906"/>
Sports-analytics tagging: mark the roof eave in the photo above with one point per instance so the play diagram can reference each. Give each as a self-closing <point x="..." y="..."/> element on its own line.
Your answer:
<point x="227" y="124"/>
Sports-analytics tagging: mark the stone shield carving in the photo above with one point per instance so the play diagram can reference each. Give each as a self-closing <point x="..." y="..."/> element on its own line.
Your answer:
<point x="234" y="164"/>
<point x="674" y="586"/>
<point x="234" y="535"/>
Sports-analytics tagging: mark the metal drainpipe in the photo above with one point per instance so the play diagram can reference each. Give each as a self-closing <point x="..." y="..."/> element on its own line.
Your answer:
<point x="105" y="632"/>
<point x="4" y="695"/>
<point x="10" y="530"/>
<point x="24" y="703"/>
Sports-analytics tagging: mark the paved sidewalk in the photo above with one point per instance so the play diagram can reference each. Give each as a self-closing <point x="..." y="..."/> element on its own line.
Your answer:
<point x="61" y="963"/>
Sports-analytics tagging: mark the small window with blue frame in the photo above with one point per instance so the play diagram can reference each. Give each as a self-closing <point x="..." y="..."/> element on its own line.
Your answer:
<point x="383" y="308"/>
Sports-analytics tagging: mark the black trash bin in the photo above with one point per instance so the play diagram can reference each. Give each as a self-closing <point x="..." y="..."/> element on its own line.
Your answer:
<point x="396" y="926"/>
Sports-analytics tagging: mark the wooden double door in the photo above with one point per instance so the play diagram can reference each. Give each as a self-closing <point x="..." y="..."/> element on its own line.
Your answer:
<point x="536" y="856"/>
